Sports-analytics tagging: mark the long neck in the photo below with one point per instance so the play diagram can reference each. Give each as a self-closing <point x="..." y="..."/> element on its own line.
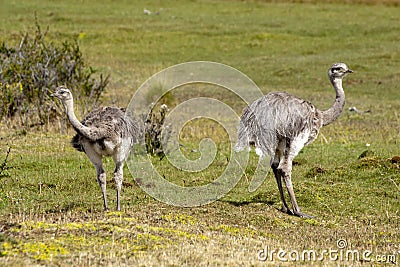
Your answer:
<point x="78" y="126"/>
<point x="331" y="114"/>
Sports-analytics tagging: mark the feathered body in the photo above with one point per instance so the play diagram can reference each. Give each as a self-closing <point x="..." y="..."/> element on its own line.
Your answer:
<point x="116" y="126"/>
<point x="105" y="131"/>
<point x="277" y="116"/>
<point x="280" y="125"/>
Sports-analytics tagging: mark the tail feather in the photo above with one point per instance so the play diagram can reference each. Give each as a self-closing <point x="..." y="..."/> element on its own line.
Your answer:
<point x="76" y="143"/>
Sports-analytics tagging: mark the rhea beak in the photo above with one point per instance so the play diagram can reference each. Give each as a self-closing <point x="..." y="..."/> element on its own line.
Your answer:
<point x="349" y="71"/>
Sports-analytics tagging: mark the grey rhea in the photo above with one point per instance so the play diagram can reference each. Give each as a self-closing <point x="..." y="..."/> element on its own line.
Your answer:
<point x="106" y="131"/>
<point x="280" y="125"/>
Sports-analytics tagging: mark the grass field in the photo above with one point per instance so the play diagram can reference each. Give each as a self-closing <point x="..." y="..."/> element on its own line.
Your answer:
<point x="349" y="178"/>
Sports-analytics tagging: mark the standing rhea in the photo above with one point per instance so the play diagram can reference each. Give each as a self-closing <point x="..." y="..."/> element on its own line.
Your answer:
<point x="280" y="125"/>
<point x="105" y="131"/>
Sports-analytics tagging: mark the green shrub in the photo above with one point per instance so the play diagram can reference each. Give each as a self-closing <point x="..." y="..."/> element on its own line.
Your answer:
<point x="30" y="71"/>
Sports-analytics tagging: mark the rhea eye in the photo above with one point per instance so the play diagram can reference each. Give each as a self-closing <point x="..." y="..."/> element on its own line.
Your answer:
<point x="336" y="69"/>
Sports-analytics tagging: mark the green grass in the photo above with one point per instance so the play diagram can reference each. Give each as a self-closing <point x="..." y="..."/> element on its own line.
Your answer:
<point x="50" y="203"/>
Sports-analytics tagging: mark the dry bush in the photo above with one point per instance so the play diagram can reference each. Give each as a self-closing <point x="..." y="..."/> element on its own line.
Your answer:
<point x="35" y="67"/>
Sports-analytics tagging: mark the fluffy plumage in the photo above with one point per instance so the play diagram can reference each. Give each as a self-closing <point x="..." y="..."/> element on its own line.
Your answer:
<point x="275" y="116"/>
<point x="112" y="121"/>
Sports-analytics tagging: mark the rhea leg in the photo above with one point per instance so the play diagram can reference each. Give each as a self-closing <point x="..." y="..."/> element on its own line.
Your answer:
<point x="278" y="178"/>
<point x="120" y="157"/>
<point x="101" y="178"/>
<point x="286" y="170"/>
<point x="118" y="177"/>
<point x="285" y="166"/>
<point x="96" y="159"/>
<point x="279" y="153"/>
